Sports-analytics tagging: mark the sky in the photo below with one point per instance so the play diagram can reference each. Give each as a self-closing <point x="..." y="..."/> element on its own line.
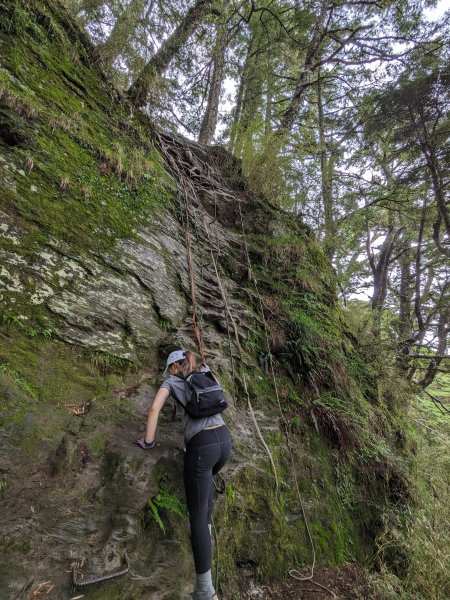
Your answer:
<point x="434" y="14"/>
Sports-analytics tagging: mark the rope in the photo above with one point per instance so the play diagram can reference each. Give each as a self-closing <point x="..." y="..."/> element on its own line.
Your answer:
<point x="192" y="276"/>
<point x="293" y="572"/>
<point x="82" y="581"/>
<point x="184" y="182"/>
<point x="216" y="543"/>
<point x="233" y="373"/>
<point x="244" y="377"/>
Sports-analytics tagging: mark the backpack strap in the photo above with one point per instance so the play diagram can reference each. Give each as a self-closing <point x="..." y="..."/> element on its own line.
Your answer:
<point x="174" y="396"/>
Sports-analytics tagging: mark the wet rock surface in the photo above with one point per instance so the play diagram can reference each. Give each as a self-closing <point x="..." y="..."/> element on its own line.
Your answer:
<point x="84" y="501"/>
<point x="74" y="505"/>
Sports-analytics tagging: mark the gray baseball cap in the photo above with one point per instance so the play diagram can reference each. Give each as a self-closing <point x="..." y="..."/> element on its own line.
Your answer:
<point x="174" y="357"/>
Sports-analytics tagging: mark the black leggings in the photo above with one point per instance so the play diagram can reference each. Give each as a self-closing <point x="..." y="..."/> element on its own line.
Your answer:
<point x="206" y="453"/>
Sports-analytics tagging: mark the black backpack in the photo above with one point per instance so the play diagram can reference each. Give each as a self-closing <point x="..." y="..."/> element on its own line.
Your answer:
<point x="204" y="395"/>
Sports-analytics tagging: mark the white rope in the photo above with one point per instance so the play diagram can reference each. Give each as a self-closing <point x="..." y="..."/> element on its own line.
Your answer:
<point x="244" y="377"/>
<point x="293" y="572"/>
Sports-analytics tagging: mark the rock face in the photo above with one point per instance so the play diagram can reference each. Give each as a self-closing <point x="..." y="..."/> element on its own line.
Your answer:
<point x="95" y="288"/>
<point x="113" y="302"/>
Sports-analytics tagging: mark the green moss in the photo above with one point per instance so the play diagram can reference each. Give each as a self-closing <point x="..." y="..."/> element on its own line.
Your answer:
<point x="94" y="183"/>
<point x="229" y="491"/>
<point x="107" y="363"/>
<point x="19" y="380"/>
<point x="113" y="590"/>
<point x="335" y="534"/>
<point x="63" y="381"/>
<point x="3" y="485"/>
<point x="98" y="443"/>
<point x="346" y="485"/>
<point x="15" y="403"/>
<point x="12" y="544"/>
<point x="261" y="386"/>
<point x="275" y="439"/>
<point x="165" y="324"/>
<point x="51" y="368"/>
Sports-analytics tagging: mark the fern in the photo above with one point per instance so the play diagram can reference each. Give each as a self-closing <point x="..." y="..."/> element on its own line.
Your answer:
<point x="155" y="514"/>
<point x="170" y="503"/>
<point x="167" y="502"/>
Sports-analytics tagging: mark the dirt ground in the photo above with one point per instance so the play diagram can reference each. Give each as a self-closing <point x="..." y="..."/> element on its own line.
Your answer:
<point x="343" y="582"/>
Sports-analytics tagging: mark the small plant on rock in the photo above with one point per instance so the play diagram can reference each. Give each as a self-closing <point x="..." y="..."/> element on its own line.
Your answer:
<point x="167" y="502"/>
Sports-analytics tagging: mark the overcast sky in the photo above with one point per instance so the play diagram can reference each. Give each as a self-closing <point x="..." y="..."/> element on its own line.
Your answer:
<point x="434" y="14"/>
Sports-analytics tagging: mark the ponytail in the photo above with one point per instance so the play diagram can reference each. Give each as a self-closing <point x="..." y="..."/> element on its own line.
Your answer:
<point x="191" y="363"/>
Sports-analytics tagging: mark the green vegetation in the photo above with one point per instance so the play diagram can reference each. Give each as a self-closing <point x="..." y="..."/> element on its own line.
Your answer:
<point x="108" y="363"/>
<point x="164" y="502"/>
<point x="81" y="176"/>
<point x="19" y="322"/>
<point x="165" y="324"/>
<point x="46" y="384"/>
<point x="230" y="494"/>
<point x="3" y="485"/>
<point x="412" y="559"/>
<point x="21" y="381"/>
<point x="98" y="443"/>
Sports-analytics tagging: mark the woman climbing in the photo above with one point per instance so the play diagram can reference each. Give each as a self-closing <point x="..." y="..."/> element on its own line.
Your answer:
<point x="208" y="447"/>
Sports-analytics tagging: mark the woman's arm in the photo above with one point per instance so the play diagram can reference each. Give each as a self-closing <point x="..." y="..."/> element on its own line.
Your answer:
<point x="153" y="413"/>
<point x="152" y="419"/>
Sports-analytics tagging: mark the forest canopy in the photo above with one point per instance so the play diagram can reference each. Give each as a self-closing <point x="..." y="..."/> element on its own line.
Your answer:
<point x="339" y="112"/>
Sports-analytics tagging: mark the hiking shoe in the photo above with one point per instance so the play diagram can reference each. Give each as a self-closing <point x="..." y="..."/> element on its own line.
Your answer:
<point x="204" y="596"/>
<point x="219" y="483"/>
<point x="143" y="444"/>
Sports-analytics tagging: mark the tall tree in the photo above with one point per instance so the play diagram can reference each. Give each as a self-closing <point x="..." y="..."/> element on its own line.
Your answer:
<point x="123" y="29"/>
<point x="308" y="67"/>
<point x="327" y="159"/>
<point x="138" y="92"/>
<point x="217" y="74"/>
<point x="417" y="108"/>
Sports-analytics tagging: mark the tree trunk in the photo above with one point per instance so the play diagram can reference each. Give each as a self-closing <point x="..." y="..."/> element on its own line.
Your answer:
<point x="436" y="178"/>
<point x="268" y="112"/>
<point x="306" y="75"/>
<point x="73" y="6"/>
<point x="418" y="277"/>
<point x="156" y="66"/>
<point x="209" y="122"/>
<point x="380" y="272"/>
<point x="124" y="26"/>
<point x="381" y="269"/>
<point x="326" y="171"/>
<point x="251" y="95"/>
<point x="442" y="334"/>
<point x="240" y="99"/>
<point x="419" y="335"/>
<point x="428" y="147"/>
<point x="405" y="335"/>
<point x="89" y="7"/>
